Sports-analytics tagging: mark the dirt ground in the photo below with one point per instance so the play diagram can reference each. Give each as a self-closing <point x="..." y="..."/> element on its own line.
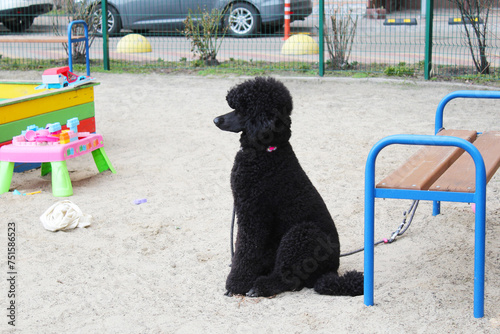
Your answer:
<point x="160" y="267"/>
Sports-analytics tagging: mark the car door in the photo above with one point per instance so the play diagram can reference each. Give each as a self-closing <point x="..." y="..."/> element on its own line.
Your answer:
<point x="154" y="14"/>
<point x="197" y="5"/>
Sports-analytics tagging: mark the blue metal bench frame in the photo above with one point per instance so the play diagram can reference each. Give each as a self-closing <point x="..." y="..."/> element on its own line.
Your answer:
<point x="478" y="196"/>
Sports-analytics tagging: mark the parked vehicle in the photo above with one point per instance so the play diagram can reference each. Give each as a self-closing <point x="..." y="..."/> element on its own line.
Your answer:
<point x="18" y="15"/>
<point x="244" y="18"/>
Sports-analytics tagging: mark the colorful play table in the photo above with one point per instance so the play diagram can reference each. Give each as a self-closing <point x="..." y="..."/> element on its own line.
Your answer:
<point x="53" y="158"/>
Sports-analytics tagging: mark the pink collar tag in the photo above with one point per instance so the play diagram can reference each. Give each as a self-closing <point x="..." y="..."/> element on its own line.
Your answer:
<point x="271" y="148"/>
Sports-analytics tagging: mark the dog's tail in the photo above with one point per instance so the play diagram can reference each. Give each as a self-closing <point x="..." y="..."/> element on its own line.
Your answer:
<point x="349" y="284"/>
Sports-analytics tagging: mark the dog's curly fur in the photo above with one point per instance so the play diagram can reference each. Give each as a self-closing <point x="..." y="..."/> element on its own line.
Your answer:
<point x="286" y="237"/>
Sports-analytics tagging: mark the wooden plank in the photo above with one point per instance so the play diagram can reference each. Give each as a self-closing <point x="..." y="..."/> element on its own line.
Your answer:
<point x="461" y="175"/>
<point x="424" y="167"/>
<point x="11" y="90"/>
<point x="11" y="129"/>
<point x="46" y="102"/>
<point x="35" y="39"/>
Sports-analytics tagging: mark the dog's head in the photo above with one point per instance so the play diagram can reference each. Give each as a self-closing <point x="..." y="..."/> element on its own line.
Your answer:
<point x="262" y="109"/>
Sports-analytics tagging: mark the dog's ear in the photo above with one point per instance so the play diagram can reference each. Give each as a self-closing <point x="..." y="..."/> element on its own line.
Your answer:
<point x="233" y="98"/>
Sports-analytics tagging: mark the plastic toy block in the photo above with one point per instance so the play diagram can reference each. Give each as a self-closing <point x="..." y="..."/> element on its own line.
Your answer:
<point x="140" y="201"/>
<point x="56" y="70"/>
<point x="53" y="79"/>
<point x="18" y="139"/>
<point x="54" y="127"/>
<point x="64" y="137"/>
<point x="73" y="122"/>
<point x="60" y="77"/>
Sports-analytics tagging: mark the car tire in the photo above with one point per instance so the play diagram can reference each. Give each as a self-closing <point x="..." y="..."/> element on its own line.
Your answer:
<point x="242" y="20"/>
<point x="20" y="24"/>
<point x="113" y="17"/>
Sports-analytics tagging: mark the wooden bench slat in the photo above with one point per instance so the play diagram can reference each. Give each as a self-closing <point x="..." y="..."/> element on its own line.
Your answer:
<point x="461" y="175"/>
<point x="424" y="167"/>
<point x="35" y="39"/>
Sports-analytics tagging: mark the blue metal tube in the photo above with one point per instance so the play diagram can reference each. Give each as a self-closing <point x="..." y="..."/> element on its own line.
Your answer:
<point x="72" y="40"/>
<point x="478" y="197"/>
<point x="476" y="94"/>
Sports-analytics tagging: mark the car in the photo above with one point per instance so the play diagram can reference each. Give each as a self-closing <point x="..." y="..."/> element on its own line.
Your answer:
<point x="18" y="15"/>
<point x="244" y="18"/>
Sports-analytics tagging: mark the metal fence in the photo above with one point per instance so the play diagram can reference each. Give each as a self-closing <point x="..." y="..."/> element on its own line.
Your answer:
<point x="388" y="36"/>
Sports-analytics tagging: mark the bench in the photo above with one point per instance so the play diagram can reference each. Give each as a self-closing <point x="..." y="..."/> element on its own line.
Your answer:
<point x="452" y="165"/>
<point x="56" y="39"/>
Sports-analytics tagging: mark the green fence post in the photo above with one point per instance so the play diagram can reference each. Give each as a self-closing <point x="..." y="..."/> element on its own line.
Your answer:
<point x="428" y="38"/>
<point x="321" y="38"/>
<point x="105" y="40"/>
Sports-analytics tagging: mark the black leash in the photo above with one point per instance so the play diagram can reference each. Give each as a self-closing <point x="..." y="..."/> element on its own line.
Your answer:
<point x="399" y="232"/>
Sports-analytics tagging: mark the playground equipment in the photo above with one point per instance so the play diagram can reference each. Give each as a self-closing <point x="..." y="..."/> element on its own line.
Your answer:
<point x="21" y="104"/>
<point x="453" y="166"/>
<point x="51" y="147"/>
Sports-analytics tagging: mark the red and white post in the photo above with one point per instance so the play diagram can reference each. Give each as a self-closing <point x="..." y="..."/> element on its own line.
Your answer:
<point x="288" y="12"/>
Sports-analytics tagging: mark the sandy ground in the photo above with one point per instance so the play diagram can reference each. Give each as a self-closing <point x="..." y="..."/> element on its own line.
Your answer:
<point x="160" y="267"/>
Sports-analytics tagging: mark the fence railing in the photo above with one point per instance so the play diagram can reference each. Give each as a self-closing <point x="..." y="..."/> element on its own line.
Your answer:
<point x="390" y="36"/>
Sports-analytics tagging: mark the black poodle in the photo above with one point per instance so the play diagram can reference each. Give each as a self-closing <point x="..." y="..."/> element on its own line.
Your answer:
<point x="286" y="237"/>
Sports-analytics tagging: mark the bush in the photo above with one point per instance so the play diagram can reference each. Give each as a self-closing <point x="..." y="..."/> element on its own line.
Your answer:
<point x="77" y="13"/>
<point x="206" y="32"/>
<point x="400" y="70"/>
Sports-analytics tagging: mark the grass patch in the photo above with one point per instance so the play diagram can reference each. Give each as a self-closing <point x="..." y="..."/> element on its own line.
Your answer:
<point x="239" y="67"/>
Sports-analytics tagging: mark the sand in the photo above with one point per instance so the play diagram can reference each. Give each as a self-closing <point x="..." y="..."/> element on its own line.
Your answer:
<point x="160" y="267"/>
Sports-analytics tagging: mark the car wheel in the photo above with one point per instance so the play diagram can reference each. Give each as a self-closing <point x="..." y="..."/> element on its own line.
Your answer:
<point x="242" y="20"/>
<point x="113" y="18"/>
<point x="20" y="24"/>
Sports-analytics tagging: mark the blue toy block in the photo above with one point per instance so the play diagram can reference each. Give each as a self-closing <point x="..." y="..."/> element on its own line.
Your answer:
<point x="54" y="127"/>
<point x="73" y="122"/>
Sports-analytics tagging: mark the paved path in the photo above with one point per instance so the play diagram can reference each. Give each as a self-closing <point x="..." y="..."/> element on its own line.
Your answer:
<point x="374" y="43"/>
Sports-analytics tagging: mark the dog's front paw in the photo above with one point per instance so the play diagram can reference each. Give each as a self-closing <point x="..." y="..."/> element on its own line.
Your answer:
<point x="254" y="292"/>
<point x="228" y="293"/>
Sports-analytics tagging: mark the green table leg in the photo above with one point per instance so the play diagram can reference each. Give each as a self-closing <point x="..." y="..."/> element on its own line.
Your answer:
<point x="61" y="183"/>
<point x="6" y="171"/>
<point x="102" y="161"/>
<point x="46" y="168"/>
